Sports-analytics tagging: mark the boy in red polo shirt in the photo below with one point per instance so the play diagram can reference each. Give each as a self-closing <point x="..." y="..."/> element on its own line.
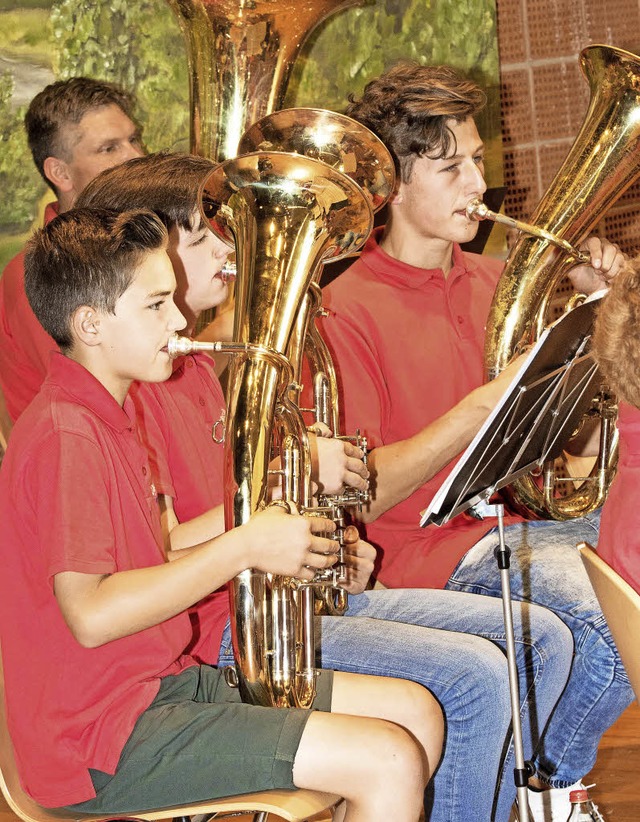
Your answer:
<point x="406" y="326"/>
<point x="188" y="409"/>
<point x="106" y="711"/>
<point x="616" y="344"/>
<point x="450" y="643"/>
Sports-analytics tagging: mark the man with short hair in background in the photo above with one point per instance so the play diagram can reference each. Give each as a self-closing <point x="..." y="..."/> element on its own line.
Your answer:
<point x="76" y="128"/>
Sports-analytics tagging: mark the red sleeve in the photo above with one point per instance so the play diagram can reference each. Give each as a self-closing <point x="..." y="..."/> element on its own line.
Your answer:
<point x="25" y="346"/>
<point x="68" y="490"/>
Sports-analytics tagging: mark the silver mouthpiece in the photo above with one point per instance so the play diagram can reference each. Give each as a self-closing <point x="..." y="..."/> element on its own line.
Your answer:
<point x="177" y="346"/>
<point x="228" y="272"/>
<point x="477" y="210"/>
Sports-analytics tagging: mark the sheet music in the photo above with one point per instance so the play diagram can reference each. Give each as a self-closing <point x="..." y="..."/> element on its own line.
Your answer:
<point x="542" y="405"/>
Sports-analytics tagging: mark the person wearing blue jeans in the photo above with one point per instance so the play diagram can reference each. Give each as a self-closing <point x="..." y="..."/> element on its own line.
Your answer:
<point x="453" y="644"/>
<point x="406" y="326"/>
<point x="546" y="568"/>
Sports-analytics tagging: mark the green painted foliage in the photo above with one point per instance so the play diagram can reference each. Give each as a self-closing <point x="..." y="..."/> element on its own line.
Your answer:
<point x="136" y="43"/>
<point x="19" y="181"/>
<point x="357" y="44"/>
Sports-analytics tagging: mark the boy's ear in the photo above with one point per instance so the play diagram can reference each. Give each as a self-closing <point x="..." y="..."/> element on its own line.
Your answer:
<point x="57" y="172"/>
<point x="398" y="195"/>
<point x="85" y="325"/>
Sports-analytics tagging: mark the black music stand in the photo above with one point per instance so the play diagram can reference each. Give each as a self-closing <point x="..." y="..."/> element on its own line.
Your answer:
<point x="537" y="415"/>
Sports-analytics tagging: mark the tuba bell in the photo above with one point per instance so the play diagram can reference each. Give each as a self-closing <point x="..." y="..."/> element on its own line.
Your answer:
<point x="286" y="214"/>
<point x="602" y="163"/>
<point x="241" y="53"/>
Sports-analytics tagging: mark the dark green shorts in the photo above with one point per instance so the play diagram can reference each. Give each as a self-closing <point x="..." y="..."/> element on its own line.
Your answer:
<point x="198" y="741"/>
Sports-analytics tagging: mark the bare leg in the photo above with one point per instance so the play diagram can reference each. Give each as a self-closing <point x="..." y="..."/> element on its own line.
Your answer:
<point x="407" y="704"/>
<point x="379" y="767"/>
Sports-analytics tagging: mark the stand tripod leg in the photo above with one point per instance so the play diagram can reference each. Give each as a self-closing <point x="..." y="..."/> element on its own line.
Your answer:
<point x="523" y="770"/>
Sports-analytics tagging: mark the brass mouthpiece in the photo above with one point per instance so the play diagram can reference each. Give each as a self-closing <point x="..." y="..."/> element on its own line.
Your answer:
<point x="477" y="210"/>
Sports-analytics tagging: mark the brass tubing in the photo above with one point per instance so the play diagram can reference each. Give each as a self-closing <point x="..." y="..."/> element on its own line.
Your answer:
<point x="477" y="210"/>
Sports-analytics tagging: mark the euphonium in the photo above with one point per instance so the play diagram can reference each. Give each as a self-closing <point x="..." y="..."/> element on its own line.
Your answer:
<point x="241" y="53"/>
<point x="602" y="163"/>
<point x="286" y="214"/>
<point x="351" y="148"/>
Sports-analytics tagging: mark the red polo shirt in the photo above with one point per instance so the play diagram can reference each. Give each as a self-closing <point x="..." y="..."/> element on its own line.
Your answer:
<point x="188" y="410"/>
<point x="619" y="540"/>
<point x="408" y="345"/>
<point x="75" y="495"/>
<point x="24" y="344"/>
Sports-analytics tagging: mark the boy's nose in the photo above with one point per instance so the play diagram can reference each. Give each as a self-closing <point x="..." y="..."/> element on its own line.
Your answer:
<point x="477" y="183"/>
<point x="177" y="320"/>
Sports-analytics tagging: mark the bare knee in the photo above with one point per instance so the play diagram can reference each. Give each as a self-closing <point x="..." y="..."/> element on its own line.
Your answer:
<point x="420" y="713"/>
<point x="375" y="764"/>
<point x="394" y="762"/>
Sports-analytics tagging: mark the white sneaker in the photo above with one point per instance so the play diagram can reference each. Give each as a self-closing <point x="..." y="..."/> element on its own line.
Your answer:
<point x="552" y="805"/>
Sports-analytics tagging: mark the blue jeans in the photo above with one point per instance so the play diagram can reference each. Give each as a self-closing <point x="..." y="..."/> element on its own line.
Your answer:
<point x="546" y="569"/>
<point x="413" y="634"/>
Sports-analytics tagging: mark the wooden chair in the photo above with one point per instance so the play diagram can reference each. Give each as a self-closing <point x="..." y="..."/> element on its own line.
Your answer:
<point x="620" y="605"/>
<point x="292" y="806"/>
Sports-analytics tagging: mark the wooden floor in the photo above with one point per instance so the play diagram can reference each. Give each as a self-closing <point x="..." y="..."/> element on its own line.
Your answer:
<point x="617" y="790"/>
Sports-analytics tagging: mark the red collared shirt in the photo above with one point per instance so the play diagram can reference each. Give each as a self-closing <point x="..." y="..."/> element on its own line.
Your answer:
<point x="76" y="495"/>
<point x="25" y="346"/>
<point x="408" y="345"/>
<point x="619" y="540"/>
<point x="188" y="412"/>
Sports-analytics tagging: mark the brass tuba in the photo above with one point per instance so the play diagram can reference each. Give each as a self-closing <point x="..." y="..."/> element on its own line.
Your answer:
<point x="241" y="53"/>
<point x="286" y="214"/>
<point x="240" y="58"/>
<point x="351" y="148"/>
<point x="602" y="163"/>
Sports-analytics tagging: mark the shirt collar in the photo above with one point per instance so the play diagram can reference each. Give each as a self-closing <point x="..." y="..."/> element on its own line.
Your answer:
<point x="389" y="268"/>
<point x="79" y="384"/>
<point x="51" y="211"/>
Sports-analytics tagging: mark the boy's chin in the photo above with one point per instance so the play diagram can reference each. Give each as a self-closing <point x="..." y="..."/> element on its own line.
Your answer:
<point x="160" y="372"/>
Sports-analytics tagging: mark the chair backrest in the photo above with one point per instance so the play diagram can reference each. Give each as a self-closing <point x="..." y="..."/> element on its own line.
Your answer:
<point x="620" y="605"/>
<point x="292" y="806"/>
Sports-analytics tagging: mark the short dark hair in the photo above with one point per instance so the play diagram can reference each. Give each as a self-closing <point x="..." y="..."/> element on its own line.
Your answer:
<point x="165" y="183"/>
<point x="65" y="103"/>
<point x="616" y="339"/>
<point x="408" y="108"/>
<point x="86" y="257"/>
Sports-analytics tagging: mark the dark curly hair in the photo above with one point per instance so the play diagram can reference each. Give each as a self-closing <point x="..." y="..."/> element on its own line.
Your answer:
<point x="409" y="107"/>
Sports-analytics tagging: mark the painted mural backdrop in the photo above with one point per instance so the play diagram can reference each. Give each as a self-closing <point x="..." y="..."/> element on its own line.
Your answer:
<point x="138" y="44"/>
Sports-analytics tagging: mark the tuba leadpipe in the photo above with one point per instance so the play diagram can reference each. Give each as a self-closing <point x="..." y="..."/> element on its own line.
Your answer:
<point x="477" y="210"/>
